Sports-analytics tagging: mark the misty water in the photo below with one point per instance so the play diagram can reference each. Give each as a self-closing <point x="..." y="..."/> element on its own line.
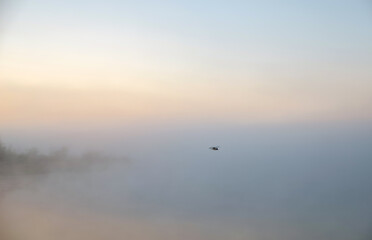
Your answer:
<point x="266" y="182"/>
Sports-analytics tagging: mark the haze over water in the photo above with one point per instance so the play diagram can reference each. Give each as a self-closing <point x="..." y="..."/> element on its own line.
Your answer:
<point x="266" y="182"/>
<point x="283" y="87"/>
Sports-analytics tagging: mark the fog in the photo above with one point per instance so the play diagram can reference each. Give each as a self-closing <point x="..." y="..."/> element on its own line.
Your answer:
<point x="299" y="181"/>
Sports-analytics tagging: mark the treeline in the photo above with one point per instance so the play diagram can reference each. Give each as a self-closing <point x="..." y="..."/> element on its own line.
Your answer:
<point x="27" y="162"/>
<point x="33" y="162"/>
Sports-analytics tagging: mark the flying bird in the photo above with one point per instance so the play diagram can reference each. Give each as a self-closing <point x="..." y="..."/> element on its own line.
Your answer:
<point x="215" y="148"/>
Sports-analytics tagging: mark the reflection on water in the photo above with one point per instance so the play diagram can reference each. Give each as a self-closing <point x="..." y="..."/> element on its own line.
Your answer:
<point x="267" y="183"/>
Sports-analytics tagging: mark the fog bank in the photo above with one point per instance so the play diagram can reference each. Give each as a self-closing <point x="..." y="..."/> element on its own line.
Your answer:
<point x="267" y="182"/>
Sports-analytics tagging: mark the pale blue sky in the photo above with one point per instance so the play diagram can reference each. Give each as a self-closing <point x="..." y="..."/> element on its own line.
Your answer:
<point x="284" y="87"/>
<point x="266" y="61"/>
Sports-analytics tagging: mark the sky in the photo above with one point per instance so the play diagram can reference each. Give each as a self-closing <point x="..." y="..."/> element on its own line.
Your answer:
<point x="107" y="63"/>
<point x="284" y="87"/>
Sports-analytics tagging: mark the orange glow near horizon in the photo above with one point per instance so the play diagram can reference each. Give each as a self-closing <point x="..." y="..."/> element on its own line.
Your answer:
<point x="94" y="70"/>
